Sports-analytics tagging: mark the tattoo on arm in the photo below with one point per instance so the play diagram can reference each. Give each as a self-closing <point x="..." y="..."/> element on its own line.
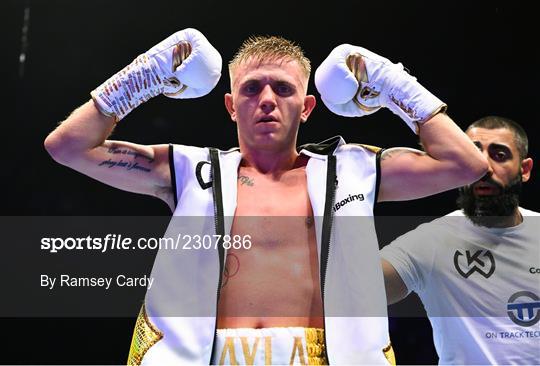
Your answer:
<point x="245" y="180"/>
<point x="127" y="165"/>
<point x="118" y="151"/>
<point x="395" y="151"/>
<point x="124" y="164"/>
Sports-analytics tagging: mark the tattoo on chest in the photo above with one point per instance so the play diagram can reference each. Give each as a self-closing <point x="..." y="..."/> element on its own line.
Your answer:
<point x="245" y="180"/>
<point x="232" y="266"/>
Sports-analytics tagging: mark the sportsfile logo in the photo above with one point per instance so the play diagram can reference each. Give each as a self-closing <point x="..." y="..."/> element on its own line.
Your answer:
<point x="480" y="261"/>
<point x="524" y="308"/>
<point x="352" y="197"/>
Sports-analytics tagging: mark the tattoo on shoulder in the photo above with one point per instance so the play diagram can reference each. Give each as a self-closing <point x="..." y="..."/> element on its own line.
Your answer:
<point x="395" y="151"/>
<point x="245" y="180"/>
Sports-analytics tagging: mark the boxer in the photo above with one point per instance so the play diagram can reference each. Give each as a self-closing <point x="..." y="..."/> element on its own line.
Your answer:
<point x="300" y="294"/>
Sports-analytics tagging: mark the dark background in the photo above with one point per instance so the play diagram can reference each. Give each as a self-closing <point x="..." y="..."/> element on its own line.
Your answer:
<point x="481" y="59"/>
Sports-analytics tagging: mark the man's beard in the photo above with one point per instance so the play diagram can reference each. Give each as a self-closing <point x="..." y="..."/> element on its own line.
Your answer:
<point x="490" y="211"/>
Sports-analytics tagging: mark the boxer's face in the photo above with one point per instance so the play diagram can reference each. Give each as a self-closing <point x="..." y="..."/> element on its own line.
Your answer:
<point x="506" y="167"/>
<point x="268" y="102"/>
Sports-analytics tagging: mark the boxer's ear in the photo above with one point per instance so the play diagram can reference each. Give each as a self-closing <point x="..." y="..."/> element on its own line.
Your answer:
<point x="309" y="103"/>
<point x="230" y="106"/>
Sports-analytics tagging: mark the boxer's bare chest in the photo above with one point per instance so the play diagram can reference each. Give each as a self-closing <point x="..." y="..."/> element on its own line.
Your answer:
<point x="276" y="281"/>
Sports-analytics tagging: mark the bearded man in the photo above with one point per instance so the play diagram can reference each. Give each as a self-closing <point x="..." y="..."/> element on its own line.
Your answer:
<point x="476" y="270"/>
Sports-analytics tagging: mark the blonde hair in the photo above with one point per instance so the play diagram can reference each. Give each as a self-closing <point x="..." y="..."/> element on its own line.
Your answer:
<point x="261" y="48"/>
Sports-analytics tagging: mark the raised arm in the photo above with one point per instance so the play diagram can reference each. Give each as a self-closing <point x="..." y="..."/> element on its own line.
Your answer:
<point x="450" y="160"/>
<point x="354" y="82"/>
<point x="185" y="65"/>
<point x="80" y="143"/>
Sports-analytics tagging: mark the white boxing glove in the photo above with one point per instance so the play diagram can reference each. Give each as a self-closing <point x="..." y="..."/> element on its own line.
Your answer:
<point x="355" y="82"/>
<point x="185" y="65"/>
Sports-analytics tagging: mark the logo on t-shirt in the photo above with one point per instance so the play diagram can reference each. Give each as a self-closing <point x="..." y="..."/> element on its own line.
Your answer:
<point x="480" y="261"/>
<point x="524" y="308"/>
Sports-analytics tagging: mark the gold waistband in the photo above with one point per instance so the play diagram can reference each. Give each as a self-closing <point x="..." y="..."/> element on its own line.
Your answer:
<point x="316" y="352"/>
<point x="313" y="353"/>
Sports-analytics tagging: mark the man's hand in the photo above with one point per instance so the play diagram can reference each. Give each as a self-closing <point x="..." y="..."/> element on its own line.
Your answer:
<point x="185" y="65"/>
<point x="187" y="57"/>
<point x="354" y="82"/>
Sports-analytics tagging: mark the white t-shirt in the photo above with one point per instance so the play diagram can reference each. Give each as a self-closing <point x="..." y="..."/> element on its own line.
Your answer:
<point x="480" y="287"/>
